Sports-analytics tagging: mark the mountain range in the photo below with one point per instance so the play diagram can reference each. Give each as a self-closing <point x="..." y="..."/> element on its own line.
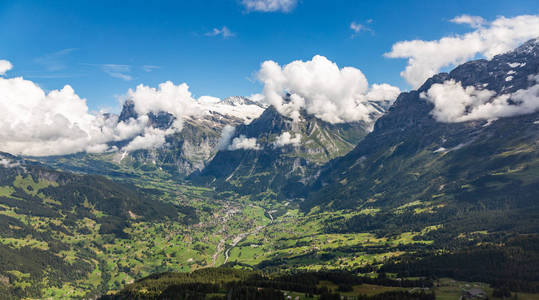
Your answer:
<point x="441" y="182"/>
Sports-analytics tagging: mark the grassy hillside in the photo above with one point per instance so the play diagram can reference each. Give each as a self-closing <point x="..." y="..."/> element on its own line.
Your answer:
<point x="58" y="229"/>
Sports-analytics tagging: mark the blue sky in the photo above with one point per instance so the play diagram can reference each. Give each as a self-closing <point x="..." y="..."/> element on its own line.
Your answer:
<point x="103" y="48"/>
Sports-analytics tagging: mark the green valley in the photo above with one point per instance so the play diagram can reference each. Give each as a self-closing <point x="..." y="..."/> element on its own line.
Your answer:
<point x="319" y="185"/>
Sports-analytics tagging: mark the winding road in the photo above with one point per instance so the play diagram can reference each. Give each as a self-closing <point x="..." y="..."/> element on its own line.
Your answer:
<point x="238" y="238"/>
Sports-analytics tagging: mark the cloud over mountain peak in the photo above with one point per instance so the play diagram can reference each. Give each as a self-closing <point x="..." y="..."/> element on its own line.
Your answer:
<point x="319" y="86"/>
<point x="426" y="58"/>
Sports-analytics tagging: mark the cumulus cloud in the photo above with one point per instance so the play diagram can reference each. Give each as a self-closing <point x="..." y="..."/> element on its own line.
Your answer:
<point x="245" y="143"/>
<point x="226" y="137"/>
<point x="224" y="32"/>
<point x="426" y="58"/>
<point x="178" y="101"/>
<point x="38" y="123"/>
<point x="321" y="88"/>
<point x="151" y="138"/>
<point x="454" y="103"/>
<point x="383" y="91"/>
<point x="269" y="5"/>
<point x="286" y="139"/>
<point x="5" y="66"/>
<point x="168" y="97"/>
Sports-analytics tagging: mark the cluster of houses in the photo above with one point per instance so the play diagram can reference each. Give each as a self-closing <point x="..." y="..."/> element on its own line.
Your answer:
<point x="473" y="293"/>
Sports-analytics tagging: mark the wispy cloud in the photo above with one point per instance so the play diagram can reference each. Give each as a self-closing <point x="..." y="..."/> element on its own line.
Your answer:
<point x="357" y="28"/>
<point x="122" y="71"/>
<point x="269" y="5"/>
<point x="54" y="61"/>
<point x="224" y="32"/>
<point x="149" y="68"/>
<point x="117" y="71"/>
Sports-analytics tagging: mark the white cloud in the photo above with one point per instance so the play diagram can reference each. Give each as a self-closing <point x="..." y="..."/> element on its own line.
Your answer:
<point x="53" y="61"/>
<point x="242" y="142"/>
<point x="149" y="68"/>
<point x="269" y="5"/>
<point x="152" y="138"/>
<point x="383" y="91"/>
<point x="451" y="100"/>
<point x="286" y="139"/>
<point x="5" y="66"/>
<point x="37" y="123"/>
<point x="224" y="32"/>
<point x="7" y="163"/>
<point x="168" y="97"/>
<point x="117" y="71"/>
<point x="357" y="28"/>
<point x="472" y="21"/>
<point x="226" y="136"/>
<point x="426" y="58"/>
<point x="257" y="97"/>
<point x="453" y="103"/>
<point x="178" y="101"/>
<point x="321" y="88"/>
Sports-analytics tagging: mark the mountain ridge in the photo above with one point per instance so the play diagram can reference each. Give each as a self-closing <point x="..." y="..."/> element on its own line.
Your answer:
<point x="287" y="156"/>
<point x="409" y="128"/>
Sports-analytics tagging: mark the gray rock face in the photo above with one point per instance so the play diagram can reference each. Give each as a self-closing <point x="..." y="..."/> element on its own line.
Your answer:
<point x="190" y="149"/>
<point x="505" y="73"/>
<point x="280" y="170"/>
<point x="128" y="111"/>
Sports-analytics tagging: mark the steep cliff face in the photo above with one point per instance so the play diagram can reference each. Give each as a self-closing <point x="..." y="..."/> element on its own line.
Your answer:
<point x="186" y="151"/>
<point x="275" y="156"/>
<point x="190" y="149"/>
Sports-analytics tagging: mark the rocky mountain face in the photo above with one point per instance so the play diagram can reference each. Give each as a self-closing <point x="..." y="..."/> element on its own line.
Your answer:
<point x="184" y="152"/>
<point x="447" y="168"/>
<point x="190" y="149"/>
<point x="285" y="155"/>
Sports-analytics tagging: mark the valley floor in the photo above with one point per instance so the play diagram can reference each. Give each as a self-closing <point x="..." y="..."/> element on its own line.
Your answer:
<point x="227" y="230"/>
